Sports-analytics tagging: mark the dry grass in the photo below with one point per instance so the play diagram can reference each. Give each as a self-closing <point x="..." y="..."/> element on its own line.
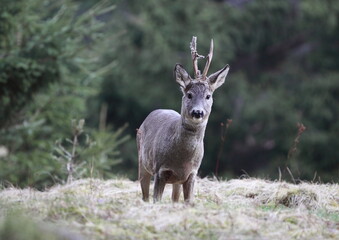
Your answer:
<point x="236" y="209"/>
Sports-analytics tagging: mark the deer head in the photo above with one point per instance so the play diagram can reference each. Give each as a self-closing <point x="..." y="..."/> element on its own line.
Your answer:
<point x="197" y="92"/>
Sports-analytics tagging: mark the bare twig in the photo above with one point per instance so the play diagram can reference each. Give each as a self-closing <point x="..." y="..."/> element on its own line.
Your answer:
<point x="293" y="150"/>
<point x="78" y="129"/>
<point x="289" y="171"/>
<point x="103" y="116"/>
<point x="224" y="128"/>
<point x="70" y="164"/>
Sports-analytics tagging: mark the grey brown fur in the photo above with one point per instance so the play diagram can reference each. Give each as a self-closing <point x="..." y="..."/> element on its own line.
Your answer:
<point x="170" y="145"/>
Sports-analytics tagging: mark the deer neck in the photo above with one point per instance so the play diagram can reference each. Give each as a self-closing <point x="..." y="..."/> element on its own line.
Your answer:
<point x="192" y="132"/>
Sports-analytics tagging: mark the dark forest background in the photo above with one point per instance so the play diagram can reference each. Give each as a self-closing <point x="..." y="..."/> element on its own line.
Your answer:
<point x="111" y="63"/>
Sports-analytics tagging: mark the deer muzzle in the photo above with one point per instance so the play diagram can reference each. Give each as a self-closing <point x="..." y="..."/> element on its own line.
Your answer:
<point x="197" y="114"/>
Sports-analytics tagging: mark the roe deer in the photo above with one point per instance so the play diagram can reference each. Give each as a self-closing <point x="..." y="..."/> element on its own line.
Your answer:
<point x="170" y="145"/>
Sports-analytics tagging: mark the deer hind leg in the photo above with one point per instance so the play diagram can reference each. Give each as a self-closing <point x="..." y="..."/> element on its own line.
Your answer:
<point x="144" y="176"/>
<point x="188" y="188"/>
<point x="145" y="179"/>
<point x="176" y="192"/>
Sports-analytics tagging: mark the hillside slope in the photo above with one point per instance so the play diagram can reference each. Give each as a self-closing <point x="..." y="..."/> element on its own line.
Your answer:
<point x="235" y="209"/>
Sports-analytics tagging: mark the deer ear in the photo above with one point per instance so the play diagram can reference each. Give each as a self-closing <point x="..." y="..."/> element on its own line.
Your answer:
<point x="216" y="79"/>
<point x="181" y="76"/>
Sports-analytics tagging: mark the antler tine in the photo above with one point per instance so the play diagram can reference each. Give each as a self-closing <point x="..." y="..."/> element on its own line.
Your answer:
<point x="195" y="56"/>
<point x="209" y="60"/>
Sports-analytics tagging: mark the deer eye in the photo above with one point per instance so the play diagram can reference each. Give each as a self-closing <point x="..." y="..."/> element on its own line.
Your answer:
<point x="189" y="96"/>
<point x="208" y="97"/>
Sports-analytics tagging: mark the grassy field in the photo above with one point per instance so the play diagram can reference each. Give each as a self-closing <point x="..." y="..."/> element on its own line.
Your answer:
<point x="113" y="209"/>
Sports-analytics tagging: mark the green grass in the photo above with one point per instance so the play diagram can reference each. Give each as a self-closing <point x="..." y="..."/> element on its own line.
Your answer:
<point x="113" y="209"/>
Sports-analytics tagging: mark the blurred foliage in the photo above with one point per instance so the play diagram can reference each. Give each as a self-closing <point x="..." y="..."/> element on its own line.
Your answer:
<point x="89" y="156"/>
<point x="43" y="96"/>
<point x="30" y="229"/>
<point x="75" y="57"/>
<point x="284" y="70"/>
<point x="38" y="47"/>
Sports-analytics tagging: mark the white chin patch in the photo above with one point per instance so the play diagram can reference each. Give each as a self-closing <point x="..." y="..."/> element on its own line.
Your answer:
<point x="197" y="120"/>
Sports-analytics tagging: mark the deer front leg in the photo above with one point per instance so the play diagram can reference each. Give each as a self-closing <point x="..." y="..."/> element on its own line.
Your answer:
<point x="176" y="192"/>
<point x="159" y="186"/>
<point x="188" y="188"/>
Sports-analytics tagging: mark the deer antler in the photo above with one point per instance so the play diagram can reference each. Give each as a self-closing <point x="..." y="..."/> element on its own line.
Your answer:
<point x="208" y="62"/>
<point x="195" y="56"/>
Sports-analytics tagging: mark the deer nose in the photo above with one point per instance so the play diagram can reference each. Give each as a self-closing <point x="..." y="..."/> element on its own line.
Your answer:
<point x="197" y="114"/>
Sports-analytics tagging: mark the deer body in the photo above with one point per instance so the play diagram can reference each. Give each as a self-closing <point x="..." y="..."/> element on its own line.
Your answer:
<point x="170" y="145"/>
<point x="177" y="152"/>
